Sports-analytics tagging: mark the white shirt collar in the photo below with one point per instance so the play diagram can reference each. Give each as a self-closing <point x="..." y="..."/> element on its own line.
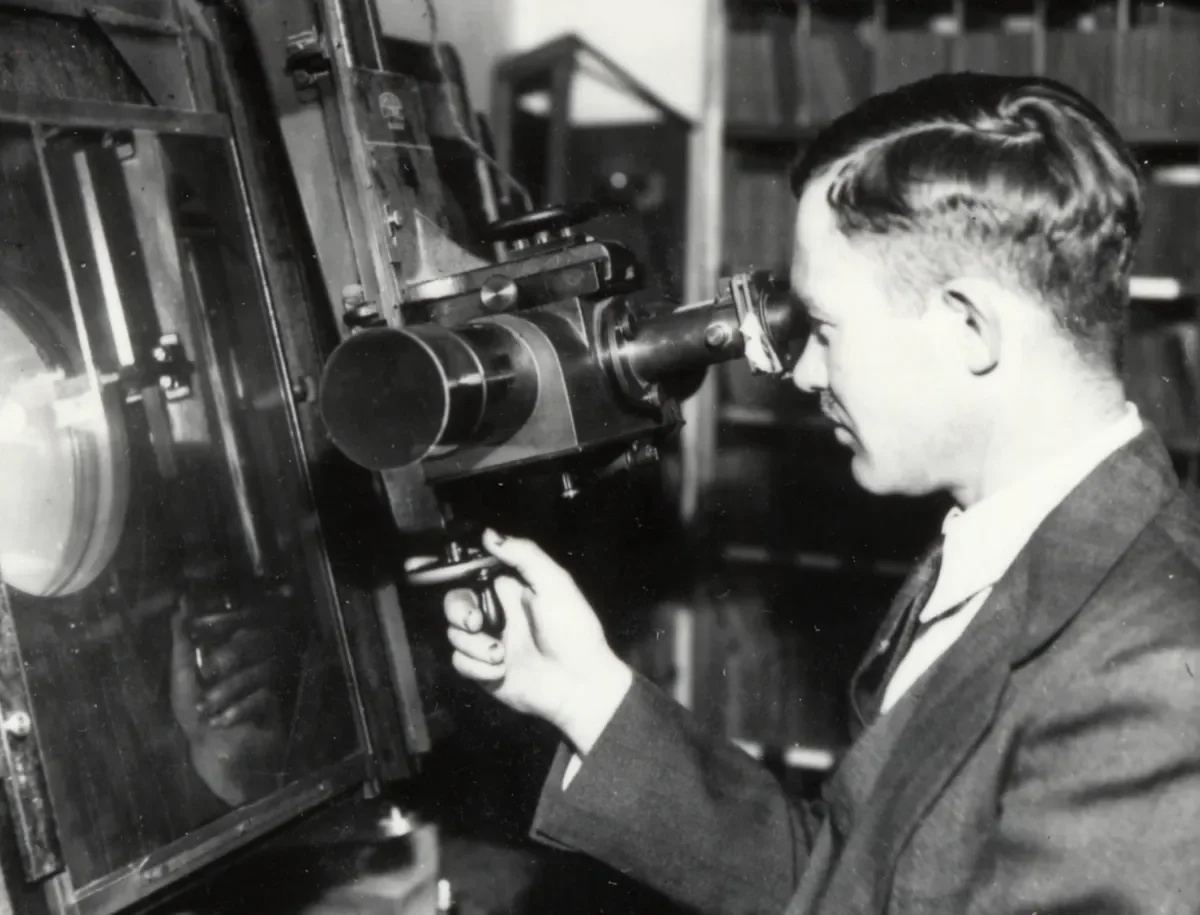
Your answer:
<point x="982" y="541"/>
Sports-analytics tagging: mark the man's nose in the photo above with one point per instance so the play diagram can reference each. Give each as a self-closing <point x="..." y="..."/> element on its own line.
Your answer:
<point x="810" y="374"/>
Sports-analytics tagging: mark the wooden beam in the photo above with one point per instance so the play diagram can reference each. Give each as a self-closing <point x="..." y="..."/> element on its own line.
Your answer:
<point x="705" y="198"/>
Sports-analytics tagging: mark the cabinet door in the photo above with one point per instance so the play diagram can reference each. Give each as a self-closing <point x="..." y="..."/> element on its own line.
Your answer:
<point x="160" y="555"/>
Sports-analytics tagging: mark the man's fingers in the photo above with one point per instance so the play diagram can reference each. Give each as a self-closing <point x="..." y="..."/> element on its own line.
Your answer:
<point x="462" y="610"/>
<point x="477" y="670"/>
<point x="184" y="688"/>
<point x="526" y="557"/>
<point x="413" y="563"/>
<point x="477" y="646"/>
<point x="228" y="691"/>
<point x="247" y="647"/>
<point x="514" y="598"/>
<point x="253" y="706"/>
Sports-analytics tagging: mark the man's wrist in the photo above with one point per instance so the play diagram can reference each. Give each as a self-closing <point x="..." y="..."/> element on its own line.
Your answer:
<point x="591" y="704"/>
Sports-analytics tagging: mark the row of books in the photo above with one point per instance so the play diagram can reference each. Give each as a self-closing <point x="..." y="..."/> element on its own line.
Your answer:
<point x="1144" y="78"/>
<point x="759" y="213"/>
<point x="1162" y="367"/>
<point x="760" y="208"/>
<point x="1170" y="234"/>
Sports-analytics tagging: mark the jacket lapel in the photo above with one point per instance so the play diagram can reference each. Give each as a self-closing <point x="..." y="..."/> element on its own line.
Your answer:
<point x="863" y="683"/>
<point x="1050" y="581"/>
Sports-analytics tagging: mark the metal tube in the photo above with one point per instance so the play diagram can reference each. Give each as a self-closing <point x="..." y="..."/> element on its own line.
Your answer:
<point x="390" y="396"/>
<point x="696" y="336"/>
<point x="688" y="339"/>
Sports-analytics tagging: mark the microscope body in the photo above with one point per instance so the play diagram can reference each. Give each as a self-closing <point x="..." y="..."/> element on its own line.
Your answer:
<point x="541" y="356"/>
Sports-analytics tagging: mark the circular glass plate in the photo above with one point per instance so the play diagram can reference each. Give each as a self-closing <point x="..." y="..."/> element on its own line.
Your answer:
<point x="64" y="471"/>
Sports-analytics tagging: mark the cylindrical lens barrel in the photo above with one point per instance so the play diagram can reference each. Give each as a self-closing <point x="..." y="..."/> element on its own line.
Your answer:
<point x="390" y="396"/>
<point x="683" y="340"/>
<point x="696" y="337"/>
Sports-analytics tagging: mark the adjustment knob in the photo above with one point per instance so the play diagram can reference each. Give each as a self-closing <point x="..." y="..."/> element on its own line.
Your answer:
<point x="540" y="225"/>
<point x="471" y="566"/>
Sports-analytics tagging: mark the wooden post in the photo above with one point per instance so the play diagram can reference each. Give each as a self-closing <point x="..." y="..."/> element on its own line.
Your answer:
<point x="705" y="197"/>
<point x="558" y="160"/>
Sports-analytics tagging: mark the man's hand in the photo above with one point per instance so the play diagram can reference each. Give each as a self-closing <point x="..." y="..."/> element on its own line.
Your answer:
<point x="232" y="720"/>
<point x="552" y="660"/>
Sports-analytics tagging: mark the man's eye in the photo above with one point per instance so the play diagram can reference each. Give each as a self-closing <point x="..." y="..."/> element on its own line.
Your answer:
<point x="820" y="332"/>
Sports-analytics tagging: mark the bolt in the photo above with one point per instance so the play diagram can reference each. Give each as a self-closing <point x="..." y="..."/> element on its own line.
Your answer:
<point x="640" y="454"/>
<point x="395" y="220"/>
<point x="626" y="326"/>
<point x="717" y="335"/>
<point x="647" y="453"/>
<point x="570" y="488"/>
<point x="353" y="296"/>
<point x="18" y="724"/>
<point x="498" y="293"/>
<point x="302" y="389"/>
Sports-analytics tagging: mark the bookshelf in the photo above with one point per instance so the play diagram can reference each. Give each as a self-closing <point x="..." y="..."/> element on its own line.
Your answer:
<point x="799" y="548"/>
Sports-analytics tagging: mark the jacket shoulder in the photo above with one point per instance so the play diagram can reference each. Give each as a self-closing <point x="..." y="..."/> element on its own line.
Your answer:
<point x="1152" y="595"/>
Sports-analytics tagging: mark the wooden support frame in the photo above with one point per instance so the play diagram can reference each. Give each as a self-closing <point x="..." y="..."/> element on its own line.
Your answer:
<point x="704" y="238"/>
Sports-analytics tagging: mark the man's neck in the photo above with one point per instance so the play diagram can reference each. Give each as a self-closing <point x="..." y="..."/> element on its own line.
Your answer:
<point x="1039" y="429"/>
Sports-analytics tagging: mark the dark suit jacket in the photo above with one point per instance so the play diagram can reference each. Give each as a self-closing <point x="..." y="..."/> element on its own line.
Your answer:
<point x="1049" y="762"/>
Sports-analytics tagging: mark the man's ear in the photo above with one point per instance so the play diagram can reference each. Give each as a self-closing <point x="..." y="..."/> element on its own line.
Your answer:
<point x="974" y="309"/>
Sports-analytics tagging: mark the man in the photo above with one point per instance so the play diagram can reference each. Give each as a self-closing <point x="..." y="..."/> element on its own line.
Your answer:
<point x="1029" y="729"/>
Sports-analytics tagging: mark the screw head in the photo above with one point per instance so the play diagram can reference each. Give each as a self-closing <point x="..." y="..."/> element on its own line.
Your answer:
<point x="717" y="335"/>
<point x="18" y="724"/>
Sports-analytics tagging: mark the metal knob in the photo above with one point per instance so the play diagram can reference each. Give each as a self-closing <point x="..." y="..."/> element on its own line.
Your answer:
<point x="18" y="725"/>
<point x="473" y="567"/>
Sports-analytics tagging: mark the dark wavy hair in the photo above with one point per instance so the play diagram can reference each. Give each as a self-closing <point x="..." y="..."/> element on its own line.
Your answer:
<point x="1021" y="177"/>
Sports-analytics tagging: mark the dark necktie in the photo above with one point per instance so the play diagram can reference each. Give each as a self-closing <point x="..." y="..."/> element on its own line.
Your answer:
<point x="924" y="580"/>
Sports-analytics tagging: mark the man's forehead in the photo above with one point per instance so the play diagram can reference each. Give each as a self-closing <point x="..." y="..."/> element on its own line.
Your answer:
<point x="815" y="218"/>
<point x="816" y="237"/>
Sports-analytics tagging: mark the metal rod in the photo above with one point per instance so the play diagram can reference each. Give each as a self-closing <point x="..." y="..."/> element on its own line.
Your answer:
<point x="113" y="305"/>
<point x="60" y="239"/>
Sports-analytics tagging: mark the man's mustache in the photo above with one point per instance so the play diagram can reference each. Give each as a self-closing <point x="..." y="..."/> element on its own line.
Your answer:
<point x="829" y="406"/>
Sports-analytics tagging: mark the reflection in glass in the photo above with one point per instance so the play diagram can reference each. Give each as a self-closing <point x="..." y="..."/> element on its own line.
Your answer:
<point x="63" y="470"/>
<point x="157" y="546"/>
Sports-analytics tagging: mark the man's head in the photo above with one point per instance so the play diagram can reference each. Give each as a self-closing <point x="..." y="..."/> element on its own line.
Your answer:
<point x="958" y="241"/>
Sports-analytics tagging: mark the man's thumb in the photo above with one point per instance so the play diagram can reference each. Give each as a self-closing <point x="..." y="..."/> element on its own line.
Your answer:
<point x="183" y="671"/>
<point x="523" y="555"/>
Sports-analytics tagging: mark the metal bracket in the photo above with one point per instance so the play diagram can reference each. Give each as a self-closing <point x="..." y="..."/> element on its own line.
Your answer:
<point x="307" y="59"/>
<point x="24" y="779"/>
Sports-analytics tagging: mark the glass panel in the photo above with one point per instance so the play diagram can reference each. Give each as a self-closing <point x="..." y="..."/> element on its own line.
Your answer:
<point x="157" y="542"/>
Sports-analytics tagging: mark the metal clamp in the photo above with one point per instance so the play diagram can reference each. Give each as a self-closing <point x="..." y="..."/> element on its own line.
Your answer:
<point x="307" y="59"/>
<point x="750" y="293"/>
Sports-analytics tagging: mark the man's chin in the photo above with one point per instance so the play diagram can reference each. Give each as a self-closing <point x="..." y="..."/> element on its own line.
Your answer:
<point x="867" y="476"/>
